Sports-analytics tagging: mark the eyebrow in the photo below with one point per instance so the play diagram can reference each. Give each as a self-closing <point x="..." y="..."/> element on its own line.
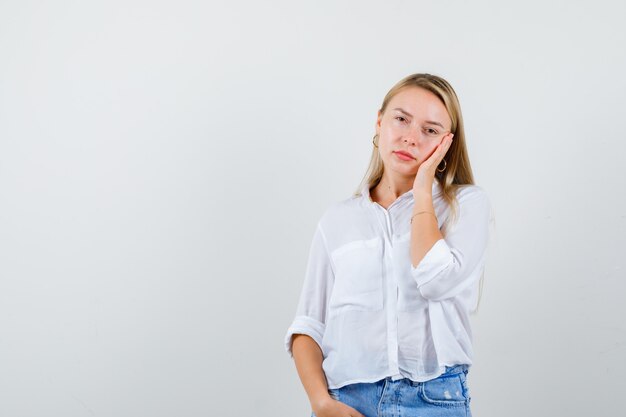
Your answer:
<point x="410" y="115"/>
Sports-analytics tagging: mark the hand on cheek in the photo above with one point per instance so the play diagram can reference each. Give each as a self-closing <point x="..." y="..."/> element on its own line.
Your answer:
<point x="426" y="171"/>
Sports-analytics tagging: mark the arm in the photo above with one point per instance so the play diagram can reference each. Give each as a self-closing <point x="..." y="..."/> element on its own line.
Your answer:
<point x="303" y="340"/>
<point x="442" y="267"/>
<point x="308" y="357"/>
<point x="424" y="228"/>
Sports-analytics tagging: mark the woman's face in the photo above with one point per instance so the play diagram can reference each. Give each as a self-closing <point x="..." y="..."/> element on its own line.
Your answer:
<point x="414" y="122"/>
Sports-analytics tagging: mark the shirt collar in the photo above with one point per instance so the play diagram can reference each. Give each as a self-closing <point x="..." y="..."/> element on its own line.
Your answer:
<point x="365" y="192"/>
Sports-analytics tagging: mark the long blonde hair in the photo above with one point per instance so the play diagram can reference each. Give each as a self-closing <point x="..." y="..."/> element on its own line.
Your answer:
<point x="458" y="171"/>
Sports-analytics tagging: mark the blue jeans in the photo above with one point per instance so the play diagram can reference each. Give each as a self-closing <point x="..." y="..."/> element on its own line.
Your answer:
<point x="445" y="396"/>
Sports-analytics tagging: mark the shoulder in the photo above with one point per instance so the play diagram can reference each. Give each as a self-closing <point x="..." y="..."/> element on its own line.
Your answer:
<point x="339" y="211"/>
<point x="471" y="192"/>
<point x="474" y="200"/>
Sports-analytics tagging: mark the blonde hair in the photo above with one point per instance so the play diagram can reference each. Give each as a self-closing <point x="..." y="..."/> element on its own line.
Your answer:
<point x="458" y="172"/>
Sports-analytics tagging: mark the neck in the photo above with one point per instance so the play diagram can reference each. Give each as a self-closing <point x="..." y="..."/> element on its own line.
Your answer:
<point x="393" y="187"/>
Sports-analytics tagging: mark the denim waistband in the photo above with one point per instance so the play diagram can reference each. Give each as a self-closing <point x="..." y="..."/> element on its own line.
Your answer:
<point x="456" y="369"/>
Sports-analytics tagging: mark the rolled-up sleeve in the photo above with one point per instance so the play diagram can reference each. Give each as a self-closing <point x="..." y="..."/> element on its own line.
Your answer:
<point x="454" y="262"/>
<point x="310" y="315"/>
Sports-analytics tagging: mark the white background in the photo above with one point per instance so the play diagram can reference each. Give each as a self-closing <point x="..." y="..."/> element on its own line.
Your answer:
<point x="163" y="165"/>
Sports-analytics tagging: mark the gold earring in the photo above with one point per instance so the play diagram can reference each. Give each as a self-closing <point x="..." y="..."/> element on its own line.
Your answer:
<point x="445" y="165"/>
<point x="373" y="140"/>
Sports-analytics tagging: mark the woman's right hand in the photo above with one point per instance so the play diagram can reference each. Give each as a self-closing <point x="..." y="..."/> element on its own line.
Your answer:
<point x="329" y="407"/>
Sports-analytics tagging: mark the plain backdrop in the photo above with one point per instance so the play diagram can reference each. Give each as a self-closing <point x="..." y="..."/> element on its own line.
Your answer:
<point x="163" y="165"/>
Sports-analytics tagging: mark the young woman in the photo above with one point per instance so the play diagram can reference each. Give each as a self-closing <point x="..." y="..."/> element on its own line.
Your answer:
<point x="382" y="325"/>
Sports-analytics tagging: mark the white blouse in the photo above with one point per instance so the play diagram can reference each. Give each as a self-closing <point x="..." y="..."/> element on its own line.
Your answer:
<point x="375" y="315"/>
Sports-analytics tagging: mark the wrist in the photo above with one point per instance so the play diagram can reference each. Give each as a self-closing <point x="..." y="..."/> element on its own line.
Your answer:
<point x="423" y="212"/>
<point x="423" y="201"/>
<point x="423" y="191"/>
<point x="320" y="401"/>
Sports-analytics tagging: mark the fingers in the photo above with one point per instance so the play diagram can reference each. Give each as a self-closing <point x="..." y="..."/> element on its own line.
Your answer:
<point x="446" y="143"/>
<point x="441" y="150"/>
<point x="437" y="154"/>
<point x="355" y="413"/>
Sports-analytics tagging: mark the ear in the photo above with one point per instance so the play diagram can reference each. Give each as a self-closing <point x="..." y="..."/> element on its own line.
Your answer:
<point x="379" y="117"/>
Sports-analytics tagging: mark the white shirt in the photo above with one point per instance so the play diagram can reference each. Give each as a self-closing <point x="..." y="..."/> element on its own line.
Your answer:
<point x="375" y="315"/>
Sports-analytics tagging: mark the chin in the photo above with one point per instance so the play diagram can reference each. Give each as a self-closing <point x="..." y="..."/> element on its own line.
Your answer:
<point x="405" y="170"/>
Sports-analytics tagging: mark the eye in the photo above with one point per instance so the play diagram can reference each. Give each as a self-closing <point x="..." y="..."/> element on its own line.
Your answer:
<point x="431" y="131"/>
<point x="400" y="117"/>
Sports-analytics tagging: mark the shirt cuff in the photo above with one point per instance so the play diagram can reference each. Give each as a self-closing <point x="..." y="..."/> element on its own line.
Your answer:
<point x="304" y="325"/>
<point x="437" y="259"/>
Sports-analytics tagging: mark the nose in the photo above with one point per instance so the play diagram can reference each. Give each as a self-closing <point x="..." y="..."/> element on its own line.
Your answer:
<point x="415" y="136"/>
<point x="411" y="138"/>
<point x="412" y="134"/>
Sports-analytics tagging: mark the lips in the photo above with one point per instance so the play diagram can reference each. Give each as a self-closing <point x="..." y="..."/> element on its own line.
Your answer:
<point x="408" y="155"/>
